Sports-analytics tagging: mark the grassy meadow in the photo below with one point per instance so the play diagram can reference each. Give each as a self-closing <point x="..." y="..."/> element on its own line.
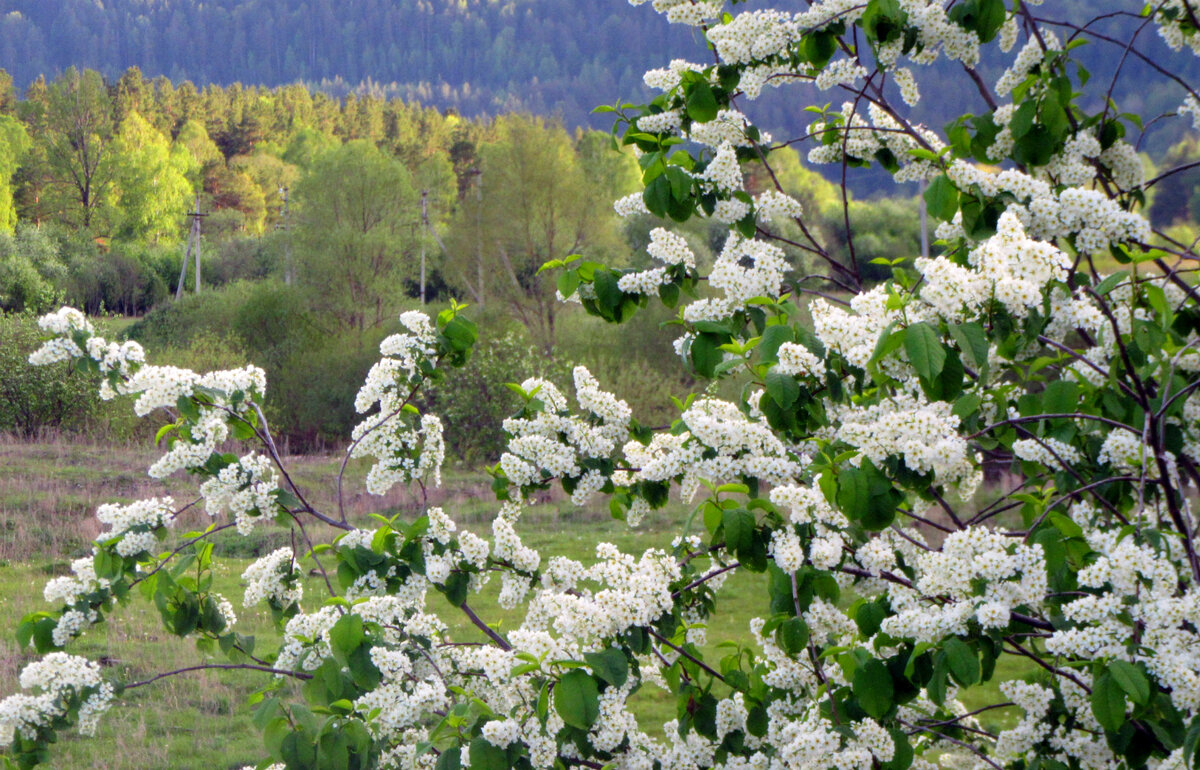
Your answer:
<point x="49" y="491"/>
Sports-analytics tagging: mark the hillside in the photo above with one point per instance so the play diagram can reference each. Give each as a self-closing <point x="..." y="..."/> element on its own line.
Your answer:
<point x="478" y="56"/>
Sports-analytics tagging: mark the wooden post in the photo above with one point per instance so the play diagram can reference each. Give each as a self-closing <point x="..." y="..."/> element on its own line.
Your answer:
<point x="191" y="251"/>
<point x="196" y="234"/>
<point x="425" y="224"/>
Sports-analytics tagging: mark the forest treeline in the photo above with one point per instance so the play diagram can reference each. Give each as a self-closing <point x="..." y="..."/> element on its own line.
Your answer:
<point x="316" y="215"/>
<point x="321" y="215"/>
<point x="480" y="56"/>
<point x="547" y="57"/>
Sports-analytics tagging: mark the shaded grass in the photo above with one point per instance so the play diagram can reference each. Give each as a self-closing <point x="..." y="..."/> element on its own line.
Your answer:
<point x="48" y="494"/>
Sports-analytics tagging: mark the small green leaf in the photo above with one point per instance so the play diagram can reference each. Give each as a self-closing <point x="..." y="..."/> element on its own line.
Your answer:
<point x="792" y="635"/>
<point x="1110" y="283"/>
<point x="782" y="388"/>
<point x="706" y="353"/>
<point x="346" y="636"/>
<point x="869" y="618"/>
<point x="1108" y="703"/>
<point x="701" y="102"/>
<point x="942" y="198"/>
<point x="610" y="665"/>
<point x="1131" y="679"/>
<point x="577" y="699"/>
<point x="485" y="756"/>
<point x="739" y="529"/>
<point x="925" y="351"/>
<point x="772" y="338"/>
<point x="963" y="662"/>
<point x="873" y="688"/>
<point x="972" y="340"/>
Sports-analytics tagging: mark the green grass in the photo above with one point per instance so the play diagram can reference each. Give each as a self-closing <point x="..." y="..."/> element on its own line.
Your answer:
<point x="48" y="494"/>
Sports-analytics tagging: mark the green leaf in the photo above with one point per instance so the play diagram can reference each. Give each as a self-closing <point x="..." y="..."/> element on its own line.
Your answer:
<point x="568" y="282"/>
<point x="1110" y="283"/>
<point x="869" y="618"/>
<point x="1131" y="679"/>
<point x="1065" y="525"/>
<point x="187" y="407"/>
<point x="782" y="388"/>
<point x="889" y="342"/>
<point x="706" y="353"/>
<point x="461" y="333"/>
<point x="792" y="635"/>
<point x="610" y="665"/>
<point x="346" y="636"/>
<point x="972" y="340"/>
<point x="577" y="699"/>
<point x="1108" y="703"/>
<point x="772" y="338"/>
<point x="701" y="102"/>
<point x="485" y="756"/>
<point x="942" y="198"/>
<point x="963" y="662"/>
<point x="657" y="196"/>
<point x="451" y="759"/>
<point x="925" y="351"/>
<point x="873" y="688"/>
<point x="608" y="293"/>
<point x="739" y="529"/>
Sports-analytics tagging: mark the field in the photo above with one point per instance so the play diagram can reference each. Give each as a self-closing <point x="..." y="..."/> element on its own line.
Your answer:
<point x="48" y="493"/>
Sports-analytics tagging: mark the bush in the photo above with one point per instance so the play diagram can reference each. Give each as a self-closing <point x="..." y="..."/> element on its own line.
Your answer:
<point x="900" y="620"/>
<point x="35" y="399"/>
<point x="473" y="402"/>
<point x="31" y="270"/>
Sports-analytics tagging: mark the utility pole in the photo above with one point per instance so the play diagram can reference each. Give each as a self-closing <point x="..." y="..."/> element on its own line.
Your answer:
<point x="425" y="224"/>
<point x="431" y="233"/>
<point x="192" y="251"/>
<point x="289" y="270"/>
<point x="479" y="229"/>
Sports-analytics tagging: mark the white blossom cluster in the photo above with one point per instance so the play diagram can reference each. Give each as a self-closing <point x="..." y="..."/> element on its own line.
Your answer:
<point x="721" y="445"/>
<point x="553" y="442"/>
<point x="862" y="137"/>
<point x="59" y="681"/>
<point x="924" y="434"/>
<point x="218" y="396"/>
<point x="403" y="450"/>
<point x="71" y="592"/>
<point x="1014" y="575"/>
<point x="745" y="269"/>
<point x="135" y="524"/>
<point x="244" y="489"/>
<point x="853" y="333"/>
<point x="669" y="248"/>
<point x="273" y="578"/>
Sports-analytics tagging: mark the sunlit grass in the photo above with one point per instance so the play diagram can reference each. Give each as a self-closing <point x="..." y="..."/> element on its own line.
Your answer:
<point x="201" y="720"/>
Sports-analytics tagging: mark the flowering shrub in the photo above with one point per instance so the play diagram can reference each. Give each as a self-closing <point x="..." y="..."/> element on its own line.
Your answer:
<point x="848" y="471"/>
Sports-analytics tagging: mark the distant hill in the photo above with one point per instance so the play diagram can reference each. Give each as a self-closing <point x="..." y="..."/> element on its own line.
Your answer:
<point x="479" y="56"/>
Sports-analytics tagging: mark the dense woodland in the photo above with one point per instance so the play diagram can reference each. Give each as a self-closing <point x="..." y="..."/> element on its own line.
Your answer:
<point x="537" y="55"/>
<point x="97" y="178"/>
<point x="317" y="211"/>
<point x="478" y="56"/>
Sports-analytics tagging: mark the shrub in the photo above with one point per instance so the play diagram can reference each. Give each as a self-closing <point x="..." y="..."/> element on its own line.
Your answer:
<point x="36" y="399"/>
<point x="838" y="478"/>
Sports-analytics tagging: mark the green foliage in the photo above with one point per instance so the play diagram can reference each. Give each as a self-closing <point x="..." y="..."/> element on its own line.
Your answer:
<point x="36" y="399"/>
<point x="31" y="270"/>
<point x="473" y="402"/>
<point x="14" y="143"/>
<point x="354" y="238"/>
<point x="152" y="182"/>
